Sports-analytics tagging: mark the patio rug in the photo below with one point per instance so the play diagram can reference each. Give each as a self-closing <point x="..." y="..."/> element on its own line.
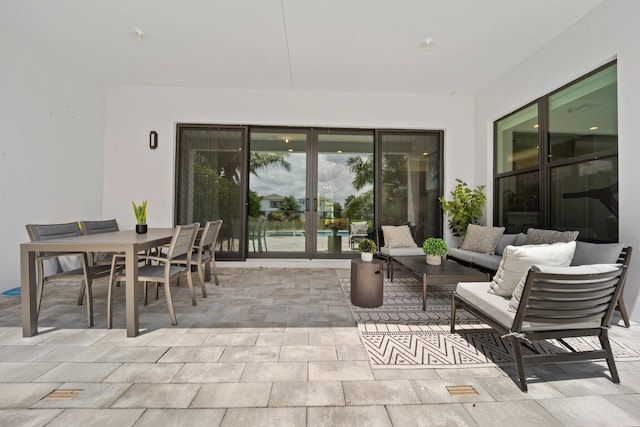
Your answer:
<point x="400" y="334"/>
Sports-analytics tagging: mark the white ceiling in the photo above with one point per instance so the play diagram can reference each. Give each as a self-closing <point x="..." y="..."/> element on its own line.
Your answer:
<point x="301" y="45"/>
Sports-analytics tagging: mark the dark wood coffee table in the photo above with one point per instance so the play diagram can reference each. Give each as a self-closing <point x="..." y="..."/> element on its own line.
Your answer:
<point x="445" y="273"/>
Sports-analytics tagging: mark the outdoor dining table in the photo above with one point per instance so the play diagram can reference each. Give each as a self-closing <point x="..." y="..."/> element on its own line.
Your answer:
<point x="127" y="241"/>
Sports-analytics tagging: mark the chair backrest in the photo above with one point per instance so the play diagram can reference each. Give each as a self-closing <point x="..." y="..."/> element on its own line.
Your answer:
<point x="183" y="240"/>
<point x="97" y="227"/>
<point x="38" y="232"/>
<point x="557" y="299"/>
<point x="210" y="233"/>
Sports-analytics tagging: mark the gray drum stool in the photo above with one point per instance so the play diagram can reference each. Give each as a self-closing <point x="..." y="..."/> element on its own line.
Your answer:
<point x="366" y="283"/>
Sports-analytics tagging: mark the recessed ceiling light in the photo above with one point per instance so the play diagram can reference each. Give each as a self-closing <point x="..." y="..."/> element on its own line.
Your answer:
<point x="290" y="150"/>
<point x="139" y="34"/>
<point x="425" y="154"/>
<point x="427" y="44"/>
<point x="535" y="126"/>
<point x="339" y="151"/>
<point x="594" y="128"/>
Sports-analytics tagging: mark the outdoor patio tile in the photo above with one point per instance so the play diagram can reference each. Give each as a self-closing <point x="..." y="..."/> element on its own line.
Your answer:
<point x="340" y="371"/>
<point x="352" y="416"/>
<point x="352" y="352"/>
<point x="144" y="373"/>
<point x="628" y="402"/>
<point x="210" y="373"/>
<point x="435" y="391"/>
<point x="275" y="371"/>
<point x="23" y="395"/>
<point x="589" y="410"/>
<point x="630" y="380"/>
<point x="462" y="372"/>
<point x="265" y="417"/>
<point x="178" y="340"/>
<point x="133" y="354"/>
<point x="430" y="415"/>
<point x="23" y="353"/>
<point x="283" y="338"/>
<point x="388" y="392"/>
<point x="232" y="395"/>
<point x="157" y="396"/>
<point x="191" y="354"/>
<point x="304" y="353"/>
<point x="230" y="340"/>
<point x="572" y="386"/>
<point x="27" y="417"/>
<point x="74" y="338"/>
<point x="65" y="353"/>
<point x="119" y="338"/>
<point x="261" y="353"/>
<point x="78" y="372"/>
<point x="335" y="338"/>
<point x="523" y="413"/>
<point x="19" y="372"/>
<point x="92" y="395"/>
<point x="315" y="393"/>
<point x="96" y="417"/>
<point x="505" y="388"/>
<point x="181" y="417"/>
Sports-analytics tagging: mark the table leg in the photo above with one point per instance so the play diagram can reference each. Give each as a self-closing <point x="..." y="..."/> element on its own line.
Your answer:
<point x="28" y="281"/>
<point x="131" y="301"/>
<point x="424" y="292"/>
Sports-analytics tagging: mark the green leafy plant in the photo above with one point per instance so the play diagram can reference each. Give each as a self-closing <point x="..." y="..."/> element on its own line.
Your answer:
<point x="434" y="246"/>
<point x="140" y="211"/>
<point x="464" y="208"/>
<point x="367" y="246"/>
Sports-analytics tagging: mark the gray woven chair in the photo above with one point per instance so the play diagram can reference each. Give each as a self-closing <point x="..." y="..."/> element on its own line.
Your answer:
<point x="86" y="273"/>
<point x="203" y="256"/>
<point x="552" y="306"/>
<point x="164" y="271"/>
<point x="98" y="227"/>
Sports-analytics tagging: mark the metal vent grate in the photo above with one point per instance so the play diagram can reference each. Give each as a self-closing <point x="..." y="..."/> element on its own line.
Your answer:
<point x="462" y="390"/>
<point x="60" y="394"/>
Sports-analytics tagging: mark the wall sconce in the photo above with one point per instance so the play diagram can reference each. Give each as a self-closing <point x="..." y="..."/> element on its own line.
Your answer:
<point x="153" y="140"/>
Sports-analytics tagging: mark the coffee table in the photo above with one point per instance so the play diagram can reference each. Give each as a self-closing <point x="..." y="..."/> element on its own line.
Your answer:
<point x="445" y="273"/>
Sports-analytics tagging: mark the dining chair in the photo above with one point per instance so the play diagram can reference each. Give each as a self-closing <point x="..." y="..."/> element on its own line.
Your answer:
<point x="85" y="273"/>
<point x="98" y="227"/>
<point x="204" y="253"/>
<point x="165" y="269"/>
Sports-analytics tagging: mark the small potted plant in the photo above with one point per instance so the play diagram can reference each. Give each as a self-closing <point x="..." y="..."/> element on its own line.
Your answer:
<point x="435" y="249"/>
<point x="140" y="211"/>
<point x="367" y="248"/>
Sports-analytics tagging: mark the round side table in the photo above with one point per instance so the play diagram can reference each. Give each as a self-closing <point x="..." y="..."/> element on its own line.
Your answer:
<point x="366" y="283"/>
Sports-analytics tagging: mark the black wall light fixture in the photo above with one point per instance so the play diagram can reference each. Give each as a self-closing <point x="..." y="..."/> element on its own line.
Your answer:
<point x="153" y="140"/>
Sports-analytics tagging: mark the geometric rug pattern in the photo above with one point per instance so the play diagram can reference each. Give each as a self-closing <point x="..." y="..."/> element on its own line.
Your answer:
<point x="399" y="334"/>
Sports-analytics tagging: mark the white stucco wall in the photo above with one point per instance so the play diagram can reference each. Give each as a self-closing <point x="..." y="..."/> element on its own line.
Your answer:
<point x="134" y="172"/>
<point x="51" y="146"/>
<point x="610" y="31"/>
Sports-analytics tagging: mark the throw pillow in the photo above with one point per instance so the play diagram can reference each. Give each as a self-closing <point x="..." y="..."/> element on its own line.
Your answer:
<point x="516" y="261"/>
<point x="581" y="269"/>
<point x="359" y="227"/>
<point x="482" y="239"/>
<point x="596" y="253"/>
<point x="538" y="237"/>
<point x="398" y="237"/>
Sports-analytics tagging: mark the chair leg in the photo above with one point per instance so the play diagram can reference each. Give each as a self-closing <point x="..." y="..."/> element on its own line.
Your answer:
<point x="214" y="271"/>
<point x="516" y="352"/>
<point x="167" y="295"/>
<point x="89" y="294"/>
<point x="81" y="294"/>
<point x="110" y="298"/>
<point x="623" y="311"/>
<point x="453" y="314"/>
<point x="190" y="283"/>
<point x="604" y="341"/>
<point x="201" y="276"/>
<point x="146" y="291"/>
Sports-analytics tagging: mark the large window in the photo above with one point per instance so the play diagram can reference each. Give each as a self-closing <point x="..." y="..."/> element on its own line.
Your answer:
<point x="556" y="161"/>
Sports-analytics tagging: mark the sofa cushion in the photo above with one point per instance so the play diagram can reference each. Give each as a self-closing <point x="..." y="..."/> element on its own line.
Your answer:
<point x="490" y="262"/>
<point x="571" y="270"/>
<point x="482" y="239"/>
<point x="521" y="239"/>
<point x="466" y="256"/>
<point x="516" y="261"/>
<point x="401" y="251"/>
<point x="537" y="237"/>
<point x="398" y="237"/>
<point x="596" y="253"/>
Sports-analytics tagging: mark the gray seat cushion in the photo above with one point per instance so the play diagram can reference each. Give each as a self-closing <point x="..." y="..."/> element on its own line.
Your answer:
<point x="596" y="253"/>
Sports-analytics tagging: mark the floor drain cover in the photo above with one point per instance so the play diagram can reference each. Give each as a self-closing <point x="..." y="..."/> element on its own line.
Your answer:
<point x="62" y="394"/>
<point x="462" y="390"/>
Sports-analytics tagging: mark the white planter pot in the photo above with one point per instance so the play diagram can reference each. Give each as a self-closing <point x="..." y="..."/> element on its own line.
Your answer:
<point x="434" y="260"/>
<point x="366" y="257"/>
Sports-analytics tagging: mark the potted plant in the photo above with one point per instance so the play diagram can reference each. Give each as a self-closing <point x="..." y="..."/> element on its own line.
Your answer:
<point x="140" y="211"/>
<point x="435" y="249"/>
<point x="464" y="208"/>
<point x="367" y="248"/>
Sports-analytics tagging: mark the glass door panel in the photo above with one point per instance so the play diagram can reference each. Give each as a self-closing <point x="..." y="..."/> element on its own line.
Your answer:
<point x="344" y="201"/>
<point x="276" y="216"/>
<point x="209" y="180"/>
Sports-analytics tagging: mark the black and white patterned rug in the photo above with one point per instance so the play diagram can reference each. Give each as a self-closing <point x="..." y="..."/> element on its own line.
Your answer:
<point x="401" y="334"/>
